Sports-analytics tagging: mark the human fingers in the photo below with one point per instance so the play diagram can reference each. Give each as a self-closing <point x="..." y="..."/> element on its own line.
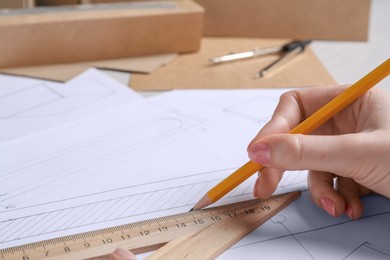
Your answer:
<point x="122" y="254"/>
<point x="344" y="198"/>
<point x="323" y="193"/>
<point x="337" y="154"/>
<point x="267" y="182"/>
<point x="351" y="192"/>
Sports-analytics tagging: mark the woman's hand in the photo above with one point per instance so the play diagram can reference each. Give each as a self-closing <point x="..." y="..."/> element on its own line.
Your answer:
<point x="353" y="147"/>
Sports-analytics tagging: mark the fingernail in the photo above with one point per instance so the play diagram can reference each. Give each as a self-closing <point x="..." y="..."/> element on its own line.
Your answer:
<point x="260" y="153"/>
<point x="329" y="206"/>
<point x="348" y="211"/>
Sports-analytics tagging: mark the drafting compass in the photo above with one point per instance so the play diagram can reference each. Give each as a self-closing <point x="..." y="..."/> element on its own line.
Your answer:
<point x="286" y="52"/>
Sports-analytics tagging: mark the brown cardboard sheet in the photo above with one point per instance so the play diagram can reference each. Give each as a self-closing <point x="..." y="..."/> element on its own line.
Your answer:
<point x="72" y="34"/>
<point x="64" y="72"/>
<point x="299" y="19"/>
<point x="193" y="71"/>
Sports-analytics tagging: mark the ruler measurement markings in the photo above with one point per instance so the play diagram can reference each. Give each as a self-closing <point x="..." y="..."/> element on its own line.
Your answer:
<point x="154" y="227"/>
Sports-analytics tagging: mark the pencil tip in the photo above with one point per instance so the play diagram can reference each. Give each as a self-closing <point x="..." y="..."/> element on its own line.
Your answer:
<point x="191" y="210"/>
<point x="204" y="202"/>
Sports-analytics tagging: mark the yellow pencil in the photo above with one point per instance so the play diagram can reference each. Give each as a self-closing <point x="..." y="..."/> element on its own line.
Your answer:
<point x="308" y="125"/>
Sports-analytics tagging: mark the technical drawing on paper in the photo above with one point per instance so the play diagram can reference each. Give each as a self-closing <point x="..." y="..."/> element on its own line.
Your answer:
<point x="123" y="203"/>
<point x="45" y="100"/>
<point x="306" y="232"/>
<point x="101" y="158"/>
<point x="251" y="108"/>
<point x="73" y="164"/>
<point x="28" y="106"/>
<point x="368" y="249"/>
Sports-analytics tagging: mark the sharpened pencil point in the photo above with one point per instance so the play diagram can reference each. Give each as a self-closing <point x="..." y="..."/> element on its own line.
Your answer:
<point x="191" y="210"/>
<point x="204" y="202"/>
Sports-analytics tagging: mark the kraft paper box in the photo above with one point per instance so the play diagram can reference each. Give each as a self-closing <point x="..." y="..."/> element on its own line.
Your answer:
<point x="73" y="34"/>
<point x="10" y="4"/>
<point x="297" y="19"/>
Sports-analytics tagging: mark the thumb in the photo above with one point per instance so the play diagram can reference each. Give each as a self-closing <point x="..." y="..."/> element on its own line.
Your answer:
<point x="333" y="153"/>
<point x="122" y="254"/>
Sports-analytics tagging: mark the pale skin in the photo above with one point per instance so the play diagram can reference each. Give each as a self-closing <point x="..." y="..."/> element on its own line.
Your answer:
<point x="352" y="148"/>
<point x="122" y="254"/>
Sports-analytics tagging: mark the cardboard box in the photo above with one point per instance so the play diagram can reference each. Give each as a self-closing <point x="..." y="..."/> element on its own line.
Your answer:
<point x="11" y="4"/>
<point x="114" y="31"/>
<point x="297" y="19"/>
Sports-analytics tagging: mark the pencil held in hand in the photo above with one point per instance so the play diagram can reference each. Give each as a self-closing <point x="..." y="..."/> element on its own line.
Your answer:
<point x="308" y="125"/>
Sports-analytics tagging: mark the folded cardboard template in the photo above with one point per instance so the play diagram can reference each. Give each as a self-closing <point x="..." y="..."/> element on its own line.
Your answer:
<point x="299" y="19"/>
<point x="64" y="72"/>
<point x="72" y="34"/>
<point x="193" y="71"/>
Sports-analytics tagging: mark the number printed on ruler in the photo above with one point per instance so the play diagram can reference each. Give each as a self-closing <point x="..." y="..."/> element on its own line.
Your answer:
<point x="140" y="236"/>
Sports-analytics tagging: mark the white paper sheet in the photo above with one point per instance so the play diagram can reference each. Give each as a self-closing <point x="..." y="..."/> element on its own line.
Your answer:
<point x="303" y="231"/>
<point x="151" y="159"/>
<point x="30" y="105"/>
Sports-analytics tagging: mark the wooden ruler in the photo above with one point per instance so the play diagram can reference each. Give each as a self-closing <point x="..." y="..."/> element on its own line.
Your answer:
<point x="225" y="226"/>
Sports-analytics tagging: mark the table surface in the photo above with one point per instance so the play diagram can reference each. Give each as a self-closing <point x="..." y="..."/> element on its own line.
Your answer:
<point x="347" y="61"/>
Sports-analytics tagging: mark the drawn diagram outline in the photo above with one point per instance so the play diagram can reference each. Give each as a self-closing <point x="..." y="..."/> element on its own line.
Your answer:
<point x="326" y="238"/>
<point x="41" y="100"/>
